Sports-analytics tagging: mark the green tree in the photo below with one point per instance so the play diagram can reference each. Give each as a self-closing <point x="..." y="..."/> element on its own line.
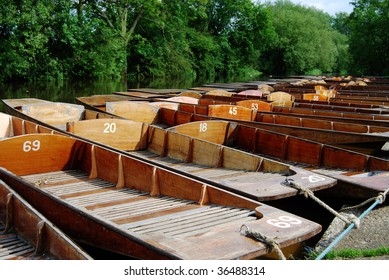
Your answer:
<point x="306" y="41"/>
<point x="240" y="27"/>
<point x="369" y="38"/>
<point x="26" y="29"/>
<point x="122" y="18"/>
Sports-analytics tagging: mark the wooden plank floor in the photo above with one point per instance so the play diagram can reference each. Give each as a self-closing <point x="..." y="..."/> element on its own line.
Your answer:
<point x="13" y="247"/>
<point x="135" y="211"/>
<point x="206" y="172"/>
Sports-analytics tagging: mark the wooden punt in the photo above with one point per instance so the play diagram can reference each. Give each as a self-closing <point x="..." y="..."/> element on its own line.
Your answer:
<point x="359" y="93"/>
<point x="121" y="204"/>
<point x="315" y="101"/>
<point x="263" y="106"/>
<point x="169" y="91"/>
<point x="371" y="102"/>
<point x="342" y="107"/>
<point x="337" y="121"/>
<point x="369" y="119"/>
<point x="75" y="120"/>
<point x="357" y="175"/>
<point x="98" y="99"/>
<point x="369" y="143"/>
<point x="362" y="142"/>
<point x="25" y="234"/>
<point x="264" y="112"/>
<point x="251" y="176"/>
<point x="142" y="95"/>
<point x="360" y="175"/>
<point x="369" y="88"/>
<point x="235" y="87"/>
<point x="347" y="103"/>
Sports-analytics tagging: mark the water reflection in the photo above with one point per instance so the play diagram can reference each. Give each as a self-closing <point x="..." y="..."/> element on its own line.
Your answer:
<point x="67" y="91"/>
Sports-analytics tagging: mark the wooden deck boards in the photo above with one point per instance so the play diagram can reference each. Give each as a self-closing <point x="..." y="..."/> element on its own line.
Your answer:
<point x="13" y="247"/>
<point x="210" y="173"/>
<point x="138" y="212"/>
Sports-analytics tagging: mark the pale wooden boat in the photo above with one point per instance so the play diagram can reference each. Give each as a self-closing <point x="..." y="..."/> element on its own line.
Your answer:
<point x="168" y="91"/>
<point x="25" y="234"/>
<point x="343" y="117"/>
<point x="324" y="110"/>
<point x="264" y="112"/>
<point x="283" y="108"/>
<point x="354" y="137"/>
<point x="74" y="120"/>
<point x="115" y="202"/>
<point x="358" y="175"/>
<point x="249" y="175"/>
<point x="342" y="107"/>
<point x="373" y="103"/>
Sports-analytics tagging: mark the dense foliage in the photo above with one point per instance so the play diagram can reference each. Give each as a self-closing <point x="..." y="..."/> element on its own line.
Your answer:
<point x="57" y="39"/>
<point x="369" y="37"/>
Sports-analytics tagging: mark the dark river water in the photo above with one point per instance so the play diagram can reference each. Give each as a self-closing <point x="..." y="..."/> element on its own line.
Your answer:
<point x="67" y="91"/>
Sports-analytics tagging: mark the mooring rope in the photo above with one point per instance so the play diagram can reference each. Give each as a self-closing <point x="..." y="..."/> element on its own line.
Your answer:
<point x="269" y="242"/>
<point x="381" y="197"/>
<point x="378" y="200"/>
<point x="347" y="218"/>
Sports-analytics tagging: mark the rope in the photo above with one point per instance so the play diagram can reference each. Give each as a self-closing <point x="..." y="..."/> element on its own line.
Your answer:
<point x="380" y="197"/>
<point x="347" y="218"/>
<point x="268" y="241"/>
<point x="378" y="200"/>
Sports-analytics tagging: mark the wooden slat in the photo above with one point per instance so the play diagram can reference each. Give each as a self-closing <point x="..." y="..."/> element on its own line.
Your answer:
<point x="11" y="246"/>
<point x="188" y="224"/>
<point x="169" y="216"/>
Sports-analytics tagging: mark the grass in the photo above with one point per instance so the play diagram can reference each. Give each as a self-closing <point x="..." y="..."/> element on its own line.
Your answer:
<point x="353" y="253"/>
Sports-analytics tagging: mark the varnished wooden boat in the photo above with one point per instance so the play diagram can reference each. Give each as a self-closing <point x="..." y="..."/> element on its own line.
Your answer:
<point x="62" y="117"/>
<point x="25" y="234"/>
<point x="118" y="203"/>
<point x="308" y="109"/>
<point x="249" y="175"/>
<point x="358" y="175"/>
<point x="266" y="107"/>
<point x="345" y="117"/>
<point x="288" y="114"/>
<point x="324" y="132"/>
<point x="342" y="107"/>
<point x="267" y="113"/>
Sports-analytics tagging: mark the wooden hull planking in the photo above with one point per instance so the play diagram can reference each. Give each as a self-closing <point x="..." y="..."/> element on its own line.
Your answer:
<point x="118" y="203"/>
<point x="25" y="234"/>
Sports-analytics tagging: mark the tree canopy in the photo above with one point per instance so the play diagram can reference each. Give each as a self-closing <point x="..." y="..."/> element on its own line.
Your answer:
<point x="369" y="38"/>
<point x="117" y="39"/>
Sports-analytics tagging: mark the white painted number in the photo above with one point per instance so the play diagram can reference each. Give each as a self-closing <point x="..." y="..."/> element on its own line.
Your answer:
<point x="110" y="127"/>
<point x="254" y="106"/>
<point x="203" y="127"/>
<point x="284" y="222"/>
<point x="31" y="146"/>
<point x="314" y="178"/>
<point x="233" y="111"/>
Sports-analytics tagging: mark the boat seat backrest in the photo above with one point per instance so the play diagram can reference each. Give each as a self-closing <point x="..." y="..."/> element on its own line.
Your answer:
<point x="56" y="114"/>
<point x="134" y="111"/>
<point x="280" y="96"/>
